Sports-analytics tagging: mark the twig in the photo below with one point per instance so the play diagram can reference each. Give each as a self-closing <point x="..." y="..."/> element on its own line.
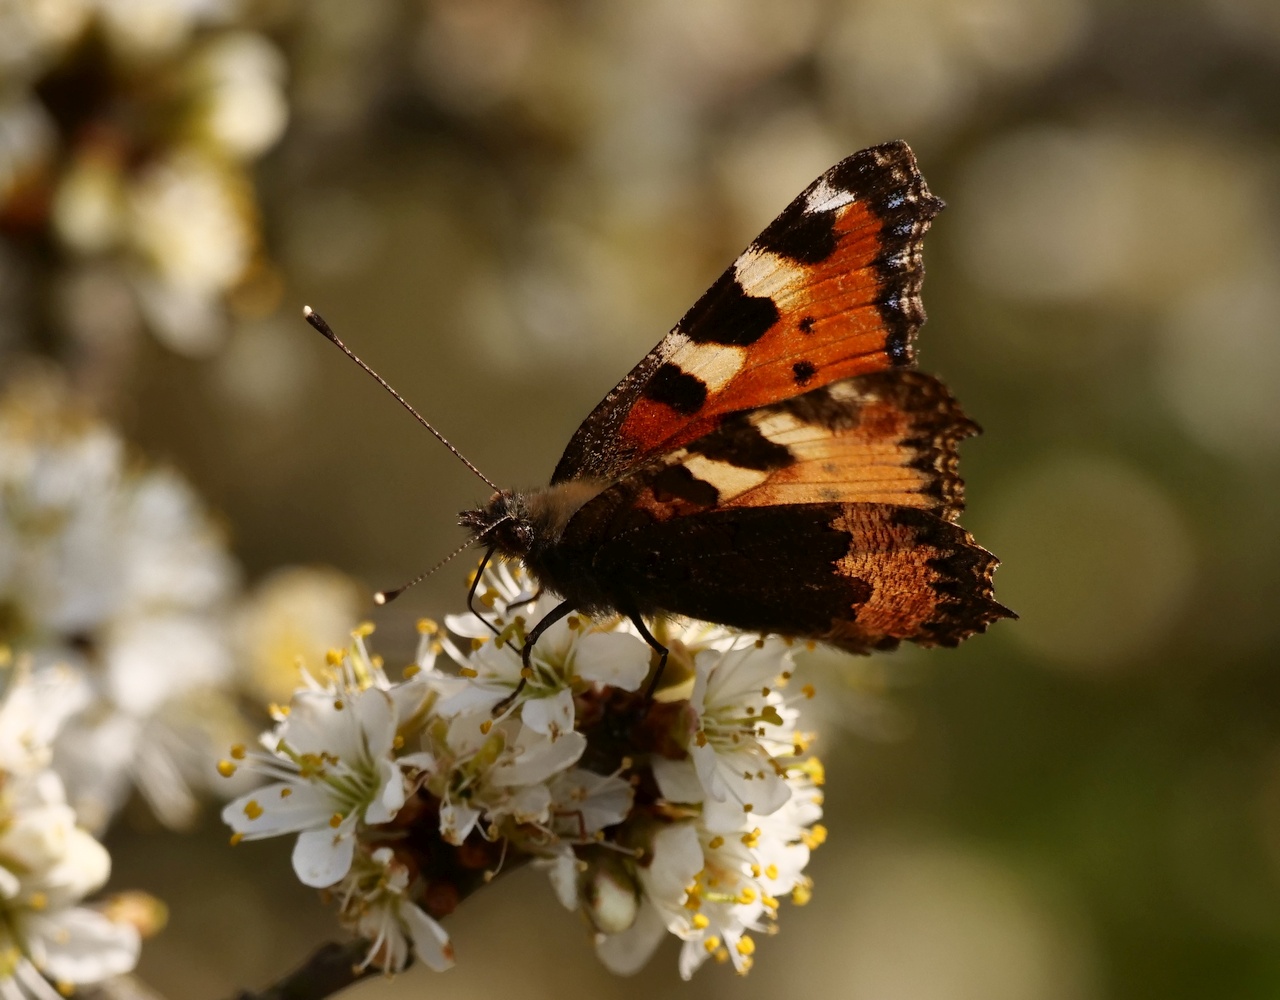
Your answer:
<point x="331" y="968"/>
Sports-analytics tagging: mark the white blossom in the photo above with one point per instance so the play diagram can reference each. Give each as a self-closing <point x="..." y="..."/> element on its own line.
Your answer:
<point x="48" y="864"/>
<point x="571" y="654"/>
<point x="690" y="815"/>
<point x="376" y="905"/>
<point x="332" y="756"/>
<point x="740" y="721"/>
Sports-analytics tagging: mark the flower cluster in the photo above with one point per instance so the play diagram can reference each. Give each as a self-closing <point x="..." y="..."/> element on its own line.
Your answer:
<point x="48" y="863"/>
<point x="125" y="142"/>
<point x="115" y="574"/>
<point x="689" y="812"/>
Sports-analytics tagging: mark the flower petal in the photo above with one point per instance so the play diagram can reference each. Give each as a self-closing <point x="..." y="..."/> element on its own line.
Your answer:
<point x="82" y="945"/>
<point x="550" y="716"/>
<point x="538" y="759"/>
<point x="430" y="942"/>
<point x="283" y="807"/>
<point x="677" y="779"/>
<point x="322" y="857"/>
<point x="618" y="659"/>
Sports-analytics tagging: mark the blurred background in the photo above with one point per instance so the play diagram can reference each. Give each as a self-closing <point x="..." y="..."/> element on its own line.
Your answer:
<point x="502" y="204"/>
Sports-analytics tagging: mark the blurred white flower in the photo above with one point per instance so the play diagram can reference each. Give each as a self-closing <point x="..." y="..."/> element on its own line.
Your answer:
<point x="241" y="76"/>
<point x="31" y="34"/>
<point x="291" y="618"/>
<point x="149" y="29"/>
<point x="48" y="864"/>
<point x="88" y="206"/>
<point x="116" y="573"/>
<point x="191" y="221"/>
<point x="27" y="138"/>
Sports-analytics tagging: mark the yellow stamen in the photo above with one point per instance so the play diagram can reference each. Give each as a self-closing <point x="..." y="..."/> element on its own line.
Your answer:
<point x="809" y="690"/>
<point x="745" y="946"/>
<point x="468" y="672"/>
<point x="252" y="809"/>
<point x="226" y="768"/>
<point x="335" y="820"/>
<point x="411" y="671"/>
<point x="238" y="751"/>
<point x="427" y="626"/>
<point x="236" y="838"/>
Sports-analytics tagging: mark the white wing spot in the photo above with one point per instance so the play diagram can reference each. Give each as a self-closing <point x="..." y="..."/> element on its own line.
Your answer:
<point x="767" y="275"/>
<point x="777" y="427"/>
<point x="714" y="364"/>
<point x="825" y="198"/>
<point x="729" y="480"/>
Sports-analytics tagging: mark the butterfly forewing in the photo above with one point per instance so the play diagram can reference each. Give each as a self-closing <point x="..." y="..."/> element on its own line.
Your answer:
<point x="830" y="289"/>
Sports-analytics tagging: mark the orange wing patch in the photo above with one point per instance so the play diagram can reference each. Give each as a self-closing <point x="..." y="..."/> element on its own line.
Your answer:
<point x="929" y="581"/>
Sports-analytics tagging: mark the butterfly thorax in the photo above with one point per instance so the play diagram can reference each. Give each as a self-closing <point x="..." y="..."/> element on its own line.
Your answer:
<point x="530" y="526"/>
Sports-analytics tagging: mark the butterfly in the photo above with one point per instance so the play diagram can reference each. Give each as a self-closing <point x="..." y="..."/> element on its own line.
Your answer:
<point x="775" y="464"/>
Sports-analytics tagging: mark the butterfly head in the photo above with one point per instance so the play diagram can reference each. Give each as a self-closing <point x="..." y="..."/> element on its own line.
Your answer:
<point x="503" y="522"/>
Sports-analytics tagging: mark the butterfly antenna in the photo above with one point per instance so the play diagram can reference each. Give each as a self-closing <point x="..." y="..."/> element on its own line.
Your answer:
<point x="387" y="596"/>
<point x="317" y="321"/>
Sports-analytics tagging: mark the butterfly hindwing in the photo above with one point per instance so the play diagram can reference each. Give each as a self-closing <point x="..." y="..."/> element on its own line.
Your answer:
<point x="827" y="516"/>
<point x="829" y="290"/>
<point x="859" y="576"/>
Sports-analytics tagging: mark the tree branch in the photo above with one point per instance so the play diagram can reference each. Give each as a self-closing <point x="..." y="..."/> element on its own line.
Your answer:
<point x="331" y="968"/>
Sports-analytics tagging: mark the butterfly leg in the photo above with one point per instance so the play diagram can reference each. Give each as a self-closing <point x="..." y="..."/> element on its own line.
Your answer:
<point x="475" y="585"/>
<point x="654" y="644"/>
<point x="561" y="610"/>
<point x="528" y="600"/>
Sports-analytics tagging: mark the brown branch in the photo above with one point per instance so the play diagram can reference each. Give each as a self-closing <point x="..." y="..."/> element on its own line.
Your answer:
<point x="330" y="969"/>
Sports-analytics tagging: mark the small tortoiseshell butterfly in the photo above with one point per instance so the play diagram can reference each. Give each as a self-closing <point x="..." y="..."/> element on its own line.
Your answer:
<point x="775" y="464"/>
